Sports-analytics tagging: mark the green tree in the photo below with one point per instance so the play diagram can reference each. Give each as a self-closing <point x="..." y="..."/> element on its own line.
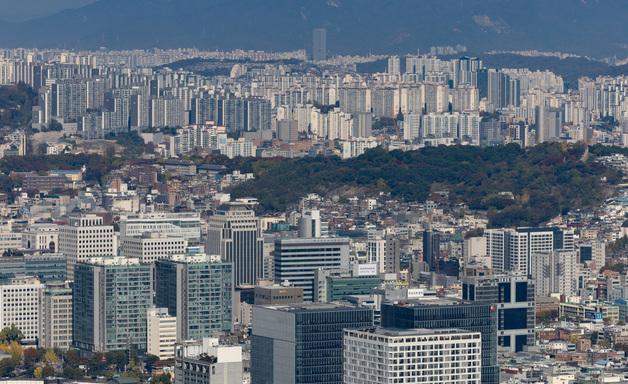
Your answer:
<point x="73" y="373"/>
<point x="164" y="378"/>
<point x="11" y="333"/>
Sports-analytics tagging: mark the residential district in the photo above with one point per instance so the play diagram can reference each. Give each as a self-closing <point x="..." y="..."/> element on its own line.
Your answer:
<point x="127" y="256"/>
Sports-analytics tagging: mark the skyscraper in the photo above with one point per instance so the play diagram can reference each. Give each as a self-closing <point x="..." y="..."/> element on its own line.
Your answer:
<point x="513" y="296"/>
<point x="555" y="272"/>
<point x="20" y="302"/>
<point x="55" y="319"/>
<point x="442" y="314"/>
<point x="319" y="44"/>
<point x="510" y="249"/>
<point x="431" y="249"/>
<point x="302" y="344"/>
<point x="111" y="301"/>
<point x="298" y="260"/>
<point x="453" y="355"/>
<point x="234" y="234"/>
<point x="84" y="237"/>
<point x="197" y="290"/>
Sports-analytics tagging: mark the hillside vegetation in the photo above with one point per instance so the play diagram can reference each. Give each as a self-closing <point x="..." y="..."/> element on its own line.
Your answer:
<point x="515" y="186"/>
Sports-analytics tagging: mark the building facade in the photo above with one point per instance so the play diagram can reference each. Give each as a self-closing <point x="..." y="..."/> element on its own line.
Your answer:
<point x="197" y="289"/>
<point x="442" y="314"/>
<point x="111" y="300"/>
<point x="302" y="344"/>
<point x="441" y="356"/>
<point x="234" y="233"/>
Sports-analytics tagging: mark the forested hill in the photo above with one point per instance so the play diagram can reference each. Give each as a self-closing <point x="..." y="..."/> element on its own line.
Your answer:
<point x="545" y="180"/>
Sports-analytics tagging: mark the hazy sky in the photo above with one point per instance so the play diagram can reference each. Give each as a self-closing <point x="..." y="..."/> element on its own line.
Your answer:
<point x="19" y="10"/>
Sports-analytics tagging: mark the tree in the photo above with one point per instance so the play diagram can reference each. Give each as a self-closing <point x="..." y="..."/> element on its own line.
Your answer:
<point x="55" y="126"/>
<point x="7" y="366"/>
<point x="72" y="373"/>
<point x="48" y="371"/>
<point x="71" y="358"/>
<point x="117" y="358"/>
<point x="164" y="378"/>
<point x="38" y="373"/>
<point x="50" y="357"/>
<point x="150" y="361"/>
<point x="9" y="334"/>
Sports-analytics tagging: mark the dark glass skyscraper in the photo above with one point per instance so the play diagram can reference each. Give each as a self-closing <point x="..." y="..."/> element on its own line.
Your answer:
<point x="450" y="314"/>
<point x="302" y="344"/>
<point x="513" y="295"/>
<point x="197" y="290"/>
<point x="319" y="44"/>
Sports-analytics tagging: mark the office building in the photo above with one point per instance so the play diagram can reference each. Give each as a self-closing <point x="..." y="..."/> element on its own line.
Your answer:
<point x="84" y="237"/>
<point x="152" y="246"/>
<point x="319" y="44"/>
<point x="55" y="322"/>
<point x="206" y="361"/>
<point x="298" y="260"/>
<point x="20" y="302"/>
<point x="335" y="286"/>
<point x="234" y="233"/>
<point x="310" y="224"/>
<point x="161" y="333"/>
<point x="197" y="289"/>
<point x="47" y="267"/>
<point x="513" y="296"/>
<point x="278" y="295"/>
<point x="593" y="254"/>
<point x="440" y="356"/>
<point x="443" y="314"/>
<point x="10" y="241"/>
<point x="111" y="301"/>
<point x="431" y="249"/>
<point x="302" y="344"/>
<point x="180" y="224"/>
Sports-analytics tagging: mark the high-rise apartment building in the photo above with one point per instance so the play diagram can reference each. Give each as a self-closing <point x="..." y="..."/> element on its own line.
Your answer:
<point x="510" y="249"/>
<point x="302" y="344"/>
<point x="234" y="233"/>
<point x="555" y="272"/>
<point x="439" y="356"/>
<point x="298" y="260"/>
<point x="197" y="289"/>
<point x="84" y="237"/>
<point x="111" y="301"/>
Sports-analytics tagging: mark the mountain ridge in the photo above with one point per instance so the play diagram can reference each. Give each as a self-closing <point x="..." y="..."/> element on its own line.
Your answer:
<point x="594" y="27"/>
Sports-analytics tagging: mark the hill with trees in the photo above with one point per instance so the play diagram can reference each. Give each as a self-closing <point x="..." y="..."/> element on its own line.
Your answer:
<point x="516" y="186"/>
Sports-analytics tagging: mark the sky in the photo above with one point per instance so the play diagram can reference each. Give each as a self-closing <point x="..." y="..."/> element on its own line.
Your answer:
<point x="20" y="10"/>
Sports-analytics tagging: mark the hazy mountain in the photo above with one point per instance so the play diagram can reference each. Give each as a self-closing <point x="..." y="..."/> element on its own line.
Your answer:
<point x="13" y="10"/>
<point x="594" y="27"/>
